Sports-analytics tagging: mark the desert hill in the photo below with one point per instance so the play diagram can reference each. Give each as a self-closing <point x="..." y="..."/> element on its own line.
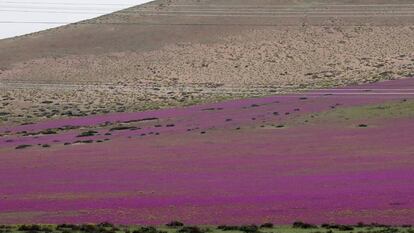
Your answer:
<point x="179" y="52"/>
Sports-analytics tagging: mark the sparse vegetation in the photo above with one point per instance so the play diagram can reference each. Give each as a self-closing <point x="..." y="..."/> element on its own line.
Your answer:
<point x="303" y="225"/>
<point x="87" y="134"/>
<point x="178" y="227"/>
<point x="353" y="114"/>
<point x="340" y="227"/>
<point x="22" y="146"/>
<point x="243" y="228"/>
<point x="267" y="225"/>
<point x="175" y="224"/>
<point x="190" y="229"/>
<point x="119" y="128"/>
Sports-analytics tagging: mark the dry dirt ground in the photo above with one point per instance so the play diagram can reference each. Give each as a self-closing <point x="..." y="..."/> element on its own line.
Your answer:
<point x="180" y="52"/>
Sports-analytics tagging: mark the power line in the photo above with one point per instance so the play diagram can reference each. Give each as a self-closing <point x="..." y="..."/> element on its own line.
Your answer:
<point x="225" y="7"/>
<point x="32" y="22"/>
<point x="294" y="5"/>
<point x="241" y="14"/>
<point x="275" y="13"/>
<point x="57" y="8"/>
<point x="219" y="11"/>
<point x="89" y="10"/>
<point x="53" y="12"/>
<point x="217" y="5"/>
<point x="69" y="4"/>
<point x="187" y="24"/>
<point x="206" y="11"/>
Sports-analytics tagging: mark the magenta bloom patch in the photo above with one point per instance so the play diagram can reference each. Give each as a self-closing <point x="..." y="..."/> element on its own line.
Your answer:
<point x="236" y="162"/>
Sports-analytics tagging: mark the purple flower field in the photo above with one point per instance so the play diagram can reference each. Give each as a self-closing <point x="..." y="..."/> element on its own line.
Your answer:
<point x="235" y="162"/>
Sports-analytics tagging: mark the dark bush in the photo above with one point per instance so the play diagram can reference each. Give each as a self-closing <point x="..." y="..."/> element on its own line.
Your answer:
<point x="410" y="230"/>
<point x="360" y="224"/>
<point x="175" y="224"/>
<point x="48" y="131"/>
<point x="303" y="225"/>
<point x="267" y="225"/>
<point x="84" y="141"/>
<point x="190" y="230"/>
<point x="32" y="228"/>
<point x="144" y="119"/>
<point x="374" y="224"/>
<point x="22" y="146"/>
<point x="68" y="226"/>
<point x="228" y="228"/>
<point x="249" y="228"/>
<point x="345" y="228"/>
<point x="146" y="230"/>
<point x="46" y="229"/>
<point x="338" y="227"/>
<point x="89" y="228"/>
<point x="123" y="128"/>
<point x="87" y="134"/>
<point x="105" y="224"/>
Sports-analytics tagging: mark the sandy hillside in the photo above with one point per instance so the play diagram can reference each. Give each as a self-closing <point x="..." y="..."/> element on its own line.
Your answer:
<point x="180" y="52"/>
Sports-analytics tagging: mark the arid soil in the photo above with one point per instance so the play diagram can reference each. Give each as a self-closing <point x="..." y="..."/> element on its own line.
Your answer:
<point x="338" y="155"/>
<point x="181" y="52"/>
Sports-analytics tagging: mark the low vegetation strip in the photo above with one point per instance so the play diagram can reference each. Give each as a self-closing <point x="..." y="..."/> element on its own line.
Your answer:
<point x="398" y="109"/>
<point x="178" y="227"/>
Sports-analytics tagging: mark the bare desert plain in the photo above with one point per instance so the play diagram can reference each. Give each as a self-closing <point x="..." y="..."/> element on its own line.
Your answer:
<point x="212" y="112"/>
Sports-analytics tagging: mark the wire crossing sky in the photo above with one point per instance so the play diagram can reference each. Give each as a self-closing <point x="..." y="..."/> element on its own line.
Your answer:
<point x="15" y="11"/>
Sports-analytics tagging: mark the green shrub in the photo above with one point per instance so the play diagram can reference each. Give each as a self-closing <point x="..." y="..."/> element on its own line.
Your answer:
<point x="190" y="230"/>
<point x="22" y="146"/>
<point x="87" y="134"/>
<point x="267" y="225"/>
<point x="147" y="230"/>
<point x="338" y="227"/>
<point x="48" y="131"/>
<point x="303" y="225"/>
<point x="105" y="224"/>
<point x="31" y="228"/>
<point x="123" y="128"/>
<point x="249" y="228"/>
<point x="227" y="228"/>
<point x="175" y="224"/>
